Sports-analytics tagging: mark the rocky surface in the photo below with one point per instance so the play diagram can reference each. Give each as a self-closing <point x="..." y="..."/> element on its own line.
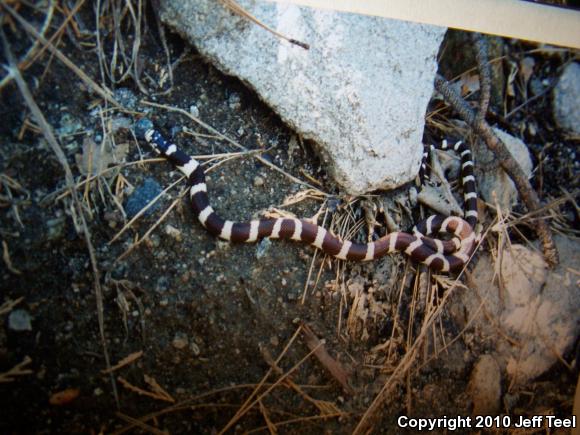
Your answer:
<point x="360" y="91"/>
<point x="566" y="97"/>
<point x="485" y="386"/>
<point x="528" y="311"/>
<point x="496" y="185"/>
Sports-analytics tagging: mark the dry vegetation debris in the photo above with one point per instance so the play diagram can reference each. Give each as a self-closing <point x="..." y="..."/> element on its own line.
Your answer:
<point x="369" y="339"/>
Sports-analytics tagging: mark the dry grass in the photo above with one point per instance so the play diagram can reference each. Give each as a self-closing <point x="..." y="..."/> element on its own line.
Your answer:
<point x="16" y="371"/>
<point x="256" y="401"/>
<point x="106" y="186"/>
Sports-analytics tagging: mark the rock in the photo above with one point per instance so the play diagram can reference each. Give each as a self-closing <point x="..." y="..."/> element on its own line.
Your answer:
<point x="19" y="320"/>
<point x="497" y="180"/>
<point x="180" y="341"/>
<point x="142" y="196"/>
<point x="537" y="310"/>
<point x="120" y="122"/>
<point x="258" y="181"/>
<point x="170" y="230"/>
<point x="194" y="111"/>
<point x="195" y="348"/>
<point x="485" y="386"/>
<point x="234" y="102"/>
<point x="55" y="228"/>
<point x="126" y="98"/>
<point x="69" y="125"/>
<point x="360" y="92"/>
<point x="553" y="317"/>
<point x="162" y="284"/>
<point x="262" y="247"/>
<point x="566" y="95"/>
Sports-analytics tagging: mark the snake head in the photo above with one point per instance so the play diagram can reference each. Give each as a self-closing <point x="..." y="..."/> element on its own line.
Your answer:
<point x="143" y="126"/>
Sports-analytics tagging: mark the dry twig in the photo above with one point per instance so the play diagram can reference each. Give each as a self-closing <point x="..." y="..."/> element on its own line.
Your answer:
<point x="33" y="51"/>
<point x="484" y="76"/>
<point x="157" y="393"/>
<point x="8" y="260"/>
<point x="8" y="305"/>
<point x="189" y="404"/>
<point x="78" y="209"/>
<point x="125" y="361"/>
<point x="236" y="8"/>
<point x="507" y="162"/>
<point x="232" y="142"/>
<point x="250" y="401"/>
<point x="334" y="367"/>
<point x="105" y="94"/>
<point x="18" y="370"/>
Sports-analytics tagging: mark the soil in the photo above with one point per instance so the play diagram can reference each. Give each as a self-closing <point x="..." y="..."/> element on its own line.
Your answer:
<point x="209" y="318"/>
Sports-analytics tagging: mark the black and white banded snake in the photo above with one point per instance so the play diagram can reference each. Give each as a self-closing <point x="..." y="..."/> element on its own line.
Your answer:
<point x="437" y="254"/>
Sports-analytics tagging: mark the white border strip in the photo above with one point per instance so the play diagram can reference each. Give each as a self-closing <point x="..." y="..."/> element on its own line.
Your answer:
<point x="511" y="18"/>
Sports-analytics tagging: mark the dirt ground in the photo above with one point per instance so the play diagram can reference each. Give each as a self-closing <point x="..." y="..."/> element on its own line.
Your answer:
<point x="203" y="322"/>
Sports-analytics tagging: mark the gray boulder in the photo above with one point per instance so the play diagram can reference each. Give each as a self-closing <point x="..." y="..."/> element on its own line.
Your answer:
<point x="360" y="92"/>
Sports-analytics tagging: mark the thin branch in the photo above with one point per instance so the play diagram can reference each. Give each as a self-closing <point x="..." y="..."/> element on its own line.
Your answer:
<point x="105" y="94"/>
<point x="232" y="142"/>
<point x="507" y="162"/>
<point x="51" y="139"/>
<point x="237" y="9"/>
<point x="30" y="54"/>
<point x="18" y="370"/>
<point x="484" y="75"/>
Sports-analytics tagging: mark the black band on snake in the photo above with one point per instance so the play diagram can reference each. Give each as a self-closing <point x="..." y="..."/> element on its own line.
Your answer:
<point x="437" y="254"/>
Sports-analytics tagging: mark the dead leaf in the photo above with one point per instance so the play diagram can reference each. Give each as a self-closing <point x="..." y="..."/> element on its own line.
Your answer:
<point x="510" y="89"/>
<point x="526" y="69"/>
<point x="64" y="397"/>
<point x="469" y="83"/>
<point x="95" y="158"/>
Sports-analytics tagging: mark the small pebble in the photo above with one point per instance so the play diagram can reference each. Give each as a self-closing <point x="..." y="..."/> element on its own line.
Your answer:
<point x="142" y="196"/>
<point x="234" y="102"/>
<point x="121" y="122"/>
<point x="68" y="125"/>
<point x="566" y="95"/>
<point x="173" y="232"/>
<point x="195" y="348"/>
<point x="162" y="284"/>
<point x="333" y="204"/>
<point x="20" y="320"/>
<point x="126" y="97"/>
<point x="258" y="181"/>
<point x="194" y="111"/>
<point x="55" y="228"/>
<point x="180" y="341"/>
<point x="262" y="247"/>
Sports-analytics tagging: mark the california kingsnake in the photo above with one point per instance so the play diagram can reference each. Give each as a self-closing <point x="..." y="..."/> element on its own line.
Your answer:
<point x="437" y="254"/>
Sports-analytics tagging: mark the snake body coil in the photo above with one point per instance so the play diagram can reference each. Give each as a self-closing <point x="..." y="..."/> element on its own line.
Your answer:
<point x="439" y="255"/>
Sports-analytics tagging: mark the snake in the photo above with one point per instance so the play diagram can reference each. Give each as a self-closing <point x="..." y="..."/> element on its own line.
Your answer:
<point x="436" y="253"/>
